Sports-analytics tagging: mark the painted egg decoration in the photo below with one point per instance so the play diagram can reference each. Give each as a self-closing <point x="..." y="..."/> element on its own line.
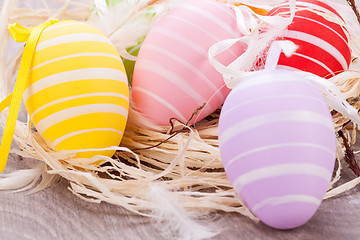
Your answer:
<point x="173" y="76"/>
<point x="323" y="45"/>
<point x="77" y="94"/>
<point x="278" y="145"/>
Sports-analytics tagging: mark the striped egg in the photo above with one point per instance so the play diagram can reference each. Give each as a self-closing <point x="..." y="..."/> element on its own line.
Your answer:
<point x="77" y="94"/>
<point x="323" y="45"/>
<point x="277" y="144"/>
<point x="173" y="76"/>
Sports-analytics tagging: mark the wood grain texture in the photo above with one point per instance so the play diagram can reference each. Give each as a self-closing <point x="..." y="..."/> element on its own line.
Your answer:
<point x="56" y="213"/>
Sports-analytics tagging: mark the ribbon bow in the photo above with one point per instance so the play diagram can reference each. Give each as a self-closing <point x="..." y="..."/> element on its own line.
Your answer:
<point x="31" y="36"/>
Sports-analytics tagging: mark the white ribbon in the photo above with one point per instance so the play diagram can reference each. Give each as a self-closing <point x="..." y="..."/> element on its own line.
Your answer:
<point x="248" y="22"/>
<point x="285" y="46"/>
<point x="257" y="42"/>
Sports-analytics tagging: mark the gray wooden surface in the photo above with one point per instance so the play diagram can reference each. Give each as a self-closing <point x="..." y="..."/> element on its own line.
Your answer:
<point x="56" y="213"/>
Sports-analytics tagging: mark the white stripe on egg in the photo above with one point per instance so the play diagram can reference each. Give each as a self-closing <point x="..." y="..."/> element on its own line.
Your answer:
<point x="262" y="81"/>
<point x="212" y="36"/>
<point x="74" y="75"/>
<point x="315" y="61"/>
<point x="279" y="170"/>
<point x="104" y="94"/>
<point x="177" y="37"/>
<point x="173" y="78"/>
<point x="263" y="98"/>
<point x="163" y="102"/>
<point x="325" y="26"/>
<point x="283" y="67"/>
<point x="319" y="43"/>
<point x="281" y="145"/>
<point x="63" y="24"/>
<point x="69" y="113"/>
<point x="276" y="117"/>
<point x="186" y="65"/>
<point x="88" y="54"/>
<point x="72" y="134"/>
<point x="306" y="5"/>
<point x="273" y="201"/>
<point x="227" y="10"/>
<point x="71" y="38"/>
<point x="210" y="17"/>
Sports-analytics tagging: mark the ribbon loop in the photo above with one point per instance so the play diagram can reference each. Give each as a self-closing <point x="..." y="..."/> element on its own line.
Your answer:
<point x="31" y="36"/>
<point x="19" y="33"/>
<point x="22" y="34"/>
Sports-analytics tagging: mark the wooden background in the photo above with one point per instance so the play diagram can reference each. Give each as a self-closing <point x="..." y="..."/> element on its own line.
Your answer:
<point x="56" y="213"/>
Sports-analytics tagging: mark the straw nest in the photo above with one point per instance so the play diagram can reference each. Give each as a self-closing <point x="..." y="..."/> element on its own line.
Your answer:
<point x="184" y="160"/>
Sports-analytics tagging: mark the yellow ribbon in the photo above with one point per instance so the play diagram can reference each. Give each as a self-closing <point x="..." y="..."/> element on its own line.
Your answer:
<point x="31" y="36"/>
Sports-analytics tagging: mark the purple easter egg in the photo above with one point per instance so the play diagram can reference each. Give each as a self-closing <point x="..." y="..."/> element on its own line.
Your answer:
<point x="278" y="145"/>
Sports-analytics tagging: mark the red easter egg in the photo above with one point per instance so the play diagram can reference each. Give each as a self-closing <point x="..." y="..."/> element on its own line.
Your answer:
<point x="323" y="45"/>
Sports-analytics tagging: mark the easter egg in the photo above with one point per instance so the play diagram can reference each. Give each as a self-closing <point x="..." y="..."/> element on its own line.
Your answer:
<point x="173" y="76"/>
<point x="77" y="94"/>
<point x="323" y="45"/>
<point x="278" y="145"/>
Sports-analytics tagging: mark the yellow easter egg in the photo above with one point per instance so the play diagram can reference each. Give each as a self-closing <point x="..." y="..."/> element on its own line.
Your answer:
<point x="77" y="92"/>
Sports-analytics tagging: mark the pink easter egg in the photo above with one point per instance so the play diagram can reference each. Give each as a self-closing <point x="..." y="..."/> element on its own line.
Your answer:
<point x="323" y="44"/>
<point x="278" y="144"/>
<point x="173" y="76"/>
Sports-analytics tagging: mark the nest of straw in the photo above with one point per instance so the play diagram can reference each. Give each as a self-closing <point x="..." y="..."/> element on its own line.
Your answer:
<point x="185" y="159"/>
